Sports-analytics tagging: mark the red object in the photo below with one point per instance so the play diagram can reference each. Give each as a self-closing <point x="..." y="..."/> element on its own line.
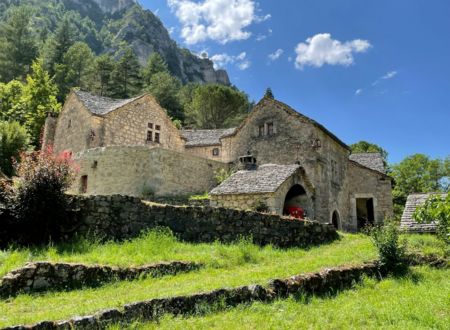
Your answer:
<point x="296" y="212"/>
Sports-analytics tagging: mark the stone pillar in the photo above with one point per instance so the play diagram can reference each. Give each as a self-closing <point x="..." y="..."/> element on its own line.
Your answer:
<point x="49" y="130"/>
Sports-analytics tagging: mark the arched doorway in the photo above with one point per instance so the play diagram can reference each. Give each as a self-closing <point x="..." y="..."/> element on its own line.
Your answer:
<point x="335" y="219"/>
<point x="297" y="202"/>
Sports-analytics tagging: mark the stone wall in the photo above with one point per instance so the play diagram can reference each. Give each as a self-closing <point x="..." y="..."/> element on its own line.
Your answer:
<point x="129" y="126"/>
<point x="206" y="152"/>
<point x="43" y="276"/>
<point x="122" y="217"/>
<point x="144" y="171"/>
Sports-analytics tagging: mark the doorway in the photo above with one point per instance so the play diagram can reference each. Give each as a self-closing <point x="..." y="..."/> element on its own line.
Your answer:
<point x="365" y="214"/>
<point x="335" y="220"/>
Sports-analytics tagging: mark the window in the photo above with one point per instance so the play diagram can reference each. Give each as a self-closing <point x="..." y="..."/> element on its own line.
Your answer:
<point x="156" y="137"/>
<point x="150" y="125"/>
<point x="69" y="125"/>
<point x="261" y="130"/>
<point x="334" y="171"/>
<point x="149" y="136"/>
<point x="270" y="129"/>
<point x="84" y="184"/>
<point x="215" y="152"/>
<point x="158" y="127"/>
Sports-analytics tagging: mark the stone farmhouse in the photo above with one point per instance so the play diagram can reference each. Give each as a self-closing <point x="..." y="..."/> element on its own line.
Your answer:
<point x="284" y="159"/>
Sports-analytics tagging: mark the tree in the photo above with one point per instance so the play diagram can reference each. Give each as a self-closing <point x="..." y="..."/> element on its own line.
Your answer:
<point x="17" y="44"/>
<point x="58" y="46"/>
<point x="155" y="64"/>
<point x="126" y="76"/>
<point x="436" y="208"/>
<point x="269" y="93"/>
<point x="364" y="146"/>
<point x="14" y="139"/>
<point x="165" y="88"/>
<point x="10" y="95"/>
<point x="216" y="106"/>
<point x="38" y="98"/>
<point x="78" y="60"/>
<point x="419" y="173"/>
<point x="103" y="68"/>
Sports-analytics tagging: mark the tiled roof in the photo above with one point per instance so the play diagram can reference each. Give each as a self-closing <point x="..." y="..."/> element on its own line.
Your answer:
<point x="372" y="160"/>
<point x="205" y="137"/>
<point x="265" y="179"/>
<point x="100" y="105"/>
<point x="407" y="222"/>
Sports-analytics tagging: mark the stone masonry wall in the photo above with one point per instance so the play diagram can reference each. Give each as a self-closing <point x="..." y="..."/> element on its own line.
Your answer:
<point x="122" y="217"/>
<point x="139" y="171"/>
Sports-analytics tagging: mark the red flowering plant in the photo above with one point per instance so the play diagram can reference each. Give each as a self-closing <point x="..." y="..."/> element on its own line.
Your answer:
<point x="38" y="199"/>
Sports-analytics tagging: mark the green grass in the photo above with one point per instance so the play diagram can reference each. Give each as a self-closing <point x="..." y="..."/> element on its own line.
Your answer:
<point x="226" y="265"/>
<point x="418" y="301"/>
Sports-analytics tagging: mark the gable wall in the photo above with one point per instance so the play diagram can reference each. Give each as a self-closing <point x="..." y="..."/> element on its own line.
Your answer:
<point x="129" y="125"/>
<point x="74" y="126"/>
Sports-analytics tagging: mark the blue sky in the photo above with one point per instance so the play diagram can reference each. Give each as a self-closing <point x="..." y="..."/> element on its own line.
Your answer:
<point x="367" y="70"/>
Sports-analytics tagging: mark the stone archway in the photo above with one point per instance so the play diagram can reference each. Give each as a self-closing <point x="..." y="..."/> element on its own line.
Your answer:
<point x="297" y="197"/>
<point x="336" y="220"/>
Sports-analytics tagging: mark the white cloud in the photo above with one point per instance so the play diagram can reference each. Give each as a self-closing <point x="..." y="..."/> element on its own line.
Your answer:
<point x="387" y="76"/>
<point x="322" y="49"/>
<point x="222" y="60"/>
<point x="261" y="37"/>
<point x="218" y="20"/>
<point x="358" y="91"/>
<point x="276" y="55"/>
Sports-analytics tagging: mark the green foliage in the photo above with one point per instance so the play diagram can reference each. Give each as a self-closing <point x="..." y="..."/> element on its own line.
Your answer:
<point x="59" y="44"/>
<point x="14" y="139"/>
<point x="222" y="174"/>
<point x="216" y="106"/>
<point x="155" y="64"/>
<point x="17" y="44"/>
<point x="261" y="206"/>
<point x="391" y="250"/>
<point x="126" y="78"/>
<point x="419" y="174"/>
<point x="436" y="208"/>
<point x="164" y="88"/>
<point x="204" y="196"/>
<point x="10" y="95"/>
<point x="38" y="200"/>
<point x="269" y="93"/>
<point x="78" y="62"/>
<point x="364" y="146"/>
<point x="103" y="69"/>
<point x="38" y="98"/>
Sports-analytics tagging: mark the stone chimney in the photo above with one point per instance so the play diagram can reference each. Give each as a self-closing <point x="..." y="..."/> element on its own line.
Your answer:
<point x="247" y="162"/>
<point x="49" y="130"/>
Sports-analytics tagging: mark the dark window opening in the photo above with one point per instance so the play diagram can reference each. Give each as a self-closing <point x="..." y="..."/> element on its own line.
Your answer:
<point x="364" y="212"/>
<point x="69" y="125"/>
<point x="150" y="125"/>
<point x="149" y="136"/>
<point x="158" y="127"/>
<point x="215" y="152"/>
<point x="157" y="137"/>
<point x="84" y="184"/>
<point x="335" y="220"/>
<point x="270" y="129"/>
<point x="261" y="130"/>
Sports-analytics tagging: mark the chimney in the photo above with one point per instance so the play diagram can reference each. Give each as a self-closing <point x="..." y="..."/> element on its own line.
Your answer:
<point x="247" y="162"/>
<point x="49" y="130"/>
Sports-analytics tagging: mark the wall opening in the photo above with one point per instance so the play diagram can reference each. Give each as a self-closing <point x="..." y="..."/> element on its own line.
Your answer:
<point x="365" y="214"/>
<point x="83" y="184"/>
<point x="335" y="220"/>
<point x="296" y="202"/>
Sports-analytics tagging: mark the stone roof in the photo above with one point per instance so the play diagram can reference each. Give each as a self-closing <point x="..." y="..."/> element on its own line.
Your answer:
<point x="205" y="137"/>
<point x="407" y="222"/>
<point x="100" y="105"/>
<point x="265" y="179"/>
<point x="372" y="160"/>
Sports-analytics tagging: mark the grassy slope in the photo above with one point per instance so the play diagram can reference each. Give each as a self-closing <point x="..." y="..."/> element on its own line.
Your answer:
<point x="226" y="265"/>
<point x="420" y="301"/>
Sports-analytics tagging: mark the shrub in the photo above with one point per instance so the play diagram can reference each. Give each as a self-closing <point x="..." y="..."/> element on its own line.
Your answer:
<point x="436" y="208"/>
<point x="14" y="139"/>
<point x="222" y="174"/>
<point x="37" y="198"/>
<point x="391" y="250"/>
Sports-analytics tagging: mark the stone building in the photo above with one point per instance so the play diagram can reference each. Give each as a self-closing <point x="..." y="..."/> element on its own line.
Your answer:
<point x="131" y="146"/>
<point x="407" y="222"/>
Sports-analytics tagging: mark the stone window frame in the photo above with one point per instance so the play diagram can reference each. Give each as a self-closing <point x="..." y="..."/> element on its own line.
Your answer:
<point x="83" y="184"/>
<point x="150" y="125"/>
<point x="270" y="128"/>
<point x="334" y="170"/>
<point x="158" y="127"/>
<point x="261" y="130"/>
<point x="149" y="136"/>
<point x="216" y="152"/>
<point x="157" y="137"/>
<point x="267" y="129"/>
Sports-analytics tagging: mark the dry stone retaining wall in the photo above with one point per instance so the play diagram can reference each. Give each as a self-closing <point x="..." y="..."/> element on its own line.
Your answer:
<point x="329" y="280"/>
<point x="123" y="217"/>
<point x="42" y="276"/>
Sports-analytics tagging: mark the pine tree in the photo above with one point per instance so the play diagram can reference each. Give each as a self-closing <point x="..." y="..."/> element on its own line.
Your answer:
<point x="59" y="44"/>
<point x="269" y="93"/>
<point x="165" y="88"/>
<point x="126" y="76"/>
<point x="155" y="64"/>
<point x="78" y="61"/>
<point x="103" y="68"/>
<point x="17" y="44"/>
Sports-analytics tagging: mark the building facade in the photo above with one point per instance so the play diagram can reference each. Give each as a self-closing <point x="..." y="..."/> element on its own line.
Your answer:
<point x="134" y="143"/>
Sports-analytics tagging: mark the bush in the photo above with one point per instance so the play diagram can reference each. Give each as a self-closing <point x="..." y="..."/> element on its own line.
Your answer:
<point x="14" y="139"/>
<point x="222" y="174"/>
<point x="391" y="250"/>
<point x="37" y="198"/>
<point x="436" y="208"/>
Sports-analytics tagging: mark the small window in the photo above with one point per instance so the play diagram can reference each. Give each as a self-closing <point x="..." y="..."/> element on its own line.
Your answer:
<point x="158" y="127"/>
<point x="150" y="125"/>
<point x="157" y="137"/>
<point x="149" y="136"/>
<point x="215" y="152"/>
<point x="69" y="124"/>
<point x="270" y="129"/>
<point x="84" y="184"/>
<point x="261" y="130"/>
